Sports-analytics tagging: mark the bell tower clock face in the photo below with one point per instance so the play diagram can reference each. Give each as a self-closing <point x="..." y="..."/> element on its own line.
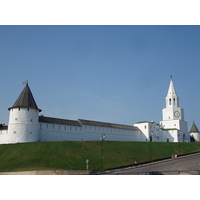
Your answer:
<point x="177" y="114"/>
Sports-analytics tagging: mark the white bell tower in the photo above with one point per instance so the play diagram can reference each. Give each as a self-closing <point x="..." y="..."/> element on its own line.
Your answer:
<point x="172" y="110"/>
<point x="173" y="115"/>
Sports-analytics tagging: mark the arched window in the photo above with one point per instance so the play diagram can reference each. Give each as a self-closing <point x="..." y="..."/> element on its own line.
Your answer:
<point x="170" y="102"/>
<point x="174" y="101"/>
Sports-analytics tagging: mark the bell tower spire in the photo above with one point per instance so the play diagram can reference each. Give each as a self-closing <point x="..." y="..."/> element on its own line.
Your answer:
<point x="172" y="110"/>
<point x="172" y="99"/>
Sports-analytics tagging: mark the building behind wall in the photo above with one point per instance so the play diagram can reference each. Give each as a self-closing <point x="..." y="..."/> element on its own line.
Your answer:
<point x="155" y="133"/>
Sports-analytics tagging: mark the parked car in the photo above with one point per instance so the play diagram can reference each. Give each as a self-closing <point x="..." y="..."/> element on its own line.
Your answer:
<point x="153" y="173"/>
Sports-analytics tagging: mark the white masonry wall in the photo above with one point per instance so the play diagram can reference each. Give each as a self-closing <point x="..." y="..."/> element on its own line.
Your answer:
<point x="144" y="127"/>
<point x="196" y="136"/>
<point x="58" y="132"/>
<point x="23" y="125"/>
<point x="3" y="136"/>
<point x="113" y="134"/>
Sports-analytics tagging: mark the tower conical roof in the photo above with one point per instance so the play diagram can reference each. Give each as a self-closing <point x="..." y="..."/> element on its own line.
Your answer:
<point x="25" y="99"/>
<point x="171" y="90"/>
<point x="194" y="128"/>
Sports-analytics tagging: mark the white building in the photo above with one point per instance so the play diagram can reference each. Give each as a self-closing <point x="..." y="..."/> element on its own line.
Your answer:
<point x="154" y="132"/>
<point x="172" y="128"/>
<point x="25" y="125"/>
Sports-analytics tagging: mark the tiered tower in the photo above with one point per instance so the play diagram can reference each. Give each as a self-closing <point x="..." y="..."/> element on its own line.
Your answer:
<point x="173" y="115"/>
<point x="23" y="120"/>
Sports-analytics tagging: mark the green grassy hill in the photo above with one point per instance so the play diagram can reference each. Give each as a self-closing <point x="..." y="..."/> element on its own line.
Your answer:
<point x="71" y="155"/>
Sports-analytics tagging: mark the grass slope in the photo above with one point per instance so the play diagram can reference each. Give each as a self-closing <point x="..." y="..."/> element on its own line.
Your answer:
<point x="72" y="155"/>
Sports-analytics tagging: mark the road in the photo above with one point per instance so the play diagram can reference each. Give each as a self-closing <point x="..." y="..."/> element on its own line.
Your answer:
<point x="189" y="164"/>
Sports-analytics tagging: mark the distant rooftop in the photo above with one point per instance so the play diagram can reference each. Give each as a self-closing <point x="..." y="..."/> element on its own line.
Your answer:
<point x="152" y="122"/>
<point x="52" y="120"/>
<point x="105" y="124"/>
<point x="81" y="122"/>
<point x="194" y="128"/>
<point x="141" y="122"/>
<point x="170" y="129"/>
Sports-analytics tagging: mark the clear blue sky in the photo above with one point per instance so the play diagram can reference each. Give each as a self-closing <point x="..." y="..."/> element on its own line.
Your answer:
<point x="116" y="74"/>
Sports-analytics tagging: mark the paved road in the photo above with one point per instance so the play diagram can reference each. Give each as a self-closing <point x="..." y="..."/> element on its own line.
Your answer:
<point x="189" y="164"/>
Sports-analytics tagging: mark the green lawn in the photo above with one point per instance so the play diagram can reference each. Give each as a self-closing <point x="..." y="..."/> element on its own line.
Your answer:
<point x="71" y="155"/>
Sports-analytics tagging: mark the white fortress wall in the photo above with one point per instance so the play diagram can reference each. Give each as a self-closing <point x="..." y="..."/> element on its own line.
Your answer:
<point x="59" y="132"/>
<point x="3" y="136"/>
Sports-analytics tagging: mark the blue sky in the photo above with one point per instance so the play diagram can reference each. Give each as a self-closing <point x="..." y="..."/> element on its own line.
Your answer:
<point x="116" y="74"/>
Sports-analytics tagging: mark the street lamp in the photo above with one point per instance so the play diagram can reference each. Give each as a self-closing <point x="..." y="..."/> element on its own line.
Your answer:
<point x="179" y="142"/>
<point x="102" y="139"/>
<point x="87" y="161"/>
<point x="150" y="140"/>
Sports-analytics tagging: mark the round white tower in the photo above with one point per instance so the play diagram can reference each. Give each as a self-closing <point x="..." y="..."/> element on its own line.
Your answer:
<point x="23" y="120"/>
<point x="194" y="133"/>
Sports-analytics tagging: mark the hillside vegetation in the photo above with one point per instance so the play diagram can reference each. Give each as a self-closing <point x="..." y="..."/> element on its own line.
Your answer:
<point x="72" y="155"/>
